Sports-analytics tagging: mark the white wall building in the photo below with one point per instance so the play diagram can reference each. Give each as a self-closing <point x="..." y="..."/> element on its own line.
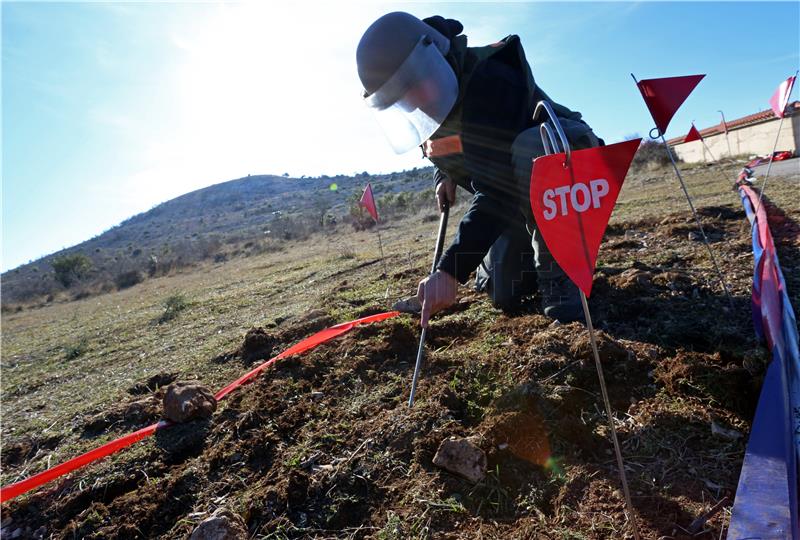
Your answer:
<point x="751" y="135"/>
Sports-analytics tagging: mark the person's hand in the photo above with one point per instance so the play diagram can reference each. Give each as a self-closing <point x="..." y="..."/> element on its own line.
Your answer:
<point x="435" y="293"/>
<point x="445" y="192"/>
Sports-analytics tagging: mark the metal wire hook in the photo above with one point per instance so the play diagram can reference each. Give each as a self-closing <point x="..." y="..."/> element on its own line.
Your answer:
<point x="547" y="108"/>
<point x="548" y="139"/>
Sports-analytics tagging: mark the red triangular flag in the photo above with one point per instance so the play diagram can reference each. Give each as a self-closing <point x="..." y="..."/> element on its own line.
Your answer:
<point x="572" y="205"/>
<point x="693" y="135"/>
<point x="665" y="96"/>
<point x="368" y="202"/>
<point x="780" y="98"/>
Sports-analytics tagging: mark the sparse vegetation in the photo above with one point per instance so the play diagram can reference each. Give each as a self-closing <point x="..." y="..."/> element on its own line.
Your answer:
<point x="651" y="155"/>
<point x="70" y="269"/>
<point x="210" y="224"/>
<point x="128" y="279"/>
<point x="173" y="306"/>
<point x="76" y="349"/>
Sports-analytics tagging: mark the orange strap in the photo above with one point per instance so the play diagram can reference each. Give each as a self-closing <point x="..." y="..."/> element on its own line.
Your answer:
<point x="443" y="146"/>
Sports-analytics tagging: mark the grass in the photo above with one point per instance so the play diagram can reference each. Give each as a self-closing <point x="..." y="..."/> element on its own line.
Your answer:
<point x="119" y="345"/>
<point x="126" y="348"/>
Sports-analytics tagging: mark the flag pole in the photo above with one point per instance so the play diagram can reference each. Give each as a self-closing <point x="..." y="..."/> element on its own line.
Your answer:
<point x="727" y="138"/>
<point x="697" y="220"/>
<point x="769" y="166"/>
<point x="383" y="259"/>
<point x="713" y="159"/>
<point x="550" y="147"/>
<point x="620" y="464"/>
<point x="705" y="147"/>
<point x="691" y="207"/>
<point x="774" y="147"/>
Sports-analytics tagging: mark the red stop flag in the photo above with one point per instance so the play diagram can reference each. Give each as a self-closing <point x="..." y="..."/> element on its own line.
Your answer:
<point x="780" y="98"/>
<point x="693" y="135"/>
<point x="368" y="202"/>
<point x="665" y="96"/>
<point x="572" y="204"/>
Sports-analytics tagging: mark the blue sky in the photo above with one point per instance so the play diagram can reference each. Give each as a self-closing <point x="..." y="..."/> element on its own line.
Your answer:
<point x="110" y="109"/>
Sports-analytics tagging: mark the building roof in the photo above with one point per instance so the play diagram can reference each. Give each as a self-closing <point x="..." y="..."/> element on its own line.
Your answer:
<point x="756" y="118"/>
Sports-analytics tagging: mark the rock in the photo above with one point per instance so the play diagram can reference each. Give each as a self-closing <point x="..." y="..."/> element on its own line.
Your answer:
<point x="314" y="314"/>
<point x="188" y="400"/>
<point x="408" y="305"/>
<point x="17" y="533"/>
<point x="461" y="457"/>
<point x="725" y="433"/>
<point x="222" y="525"/>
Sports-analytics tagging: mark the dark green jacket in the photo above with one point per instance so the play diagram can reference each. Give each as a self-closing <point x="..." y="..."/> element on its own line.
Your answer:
<point x="497" y="95"/>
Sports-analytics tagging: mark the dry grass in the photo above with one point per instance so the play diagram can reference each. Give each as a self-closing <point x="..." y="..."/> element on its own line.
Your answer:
<point x="47" y="394"/>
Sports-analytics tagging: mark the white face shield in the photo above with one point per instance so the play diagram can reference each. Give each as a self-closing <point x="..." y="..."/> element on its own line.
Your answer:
<point x="415" y="101"/>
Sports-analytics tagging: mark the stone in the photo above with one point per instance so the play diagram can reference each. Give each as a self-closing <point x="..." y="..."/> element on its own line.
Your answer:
<point x="188" y="400"/>
<point x="725" y="433"/>
<point x="222" y="525"/>
<point x="461" y="457"/>
<point x="408" y="305"/>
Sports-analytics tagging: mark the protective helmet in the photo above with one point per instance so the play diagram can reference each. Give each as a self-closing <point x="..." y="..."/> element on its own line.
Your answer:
<point x="407" y="80"/>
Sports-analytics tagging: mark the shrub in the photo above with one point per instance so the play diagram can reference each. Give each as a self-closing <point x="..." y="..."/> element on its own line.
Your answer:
<point x="128" y="279"/>
<point x="76" y="349"/>
<point x="651" y="154"/>
<point x="69" y="269"/>
<point x="173" y="305"/>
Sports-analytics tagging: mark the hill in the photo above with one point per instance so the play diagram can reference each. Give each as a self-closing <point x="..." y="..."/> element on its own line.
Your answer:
<point x="234" y="218"/>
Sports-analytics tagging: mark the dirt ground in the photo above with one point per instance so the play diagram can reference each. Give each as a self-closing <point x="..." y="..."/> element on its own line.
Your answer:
<point x="324" y="445"/>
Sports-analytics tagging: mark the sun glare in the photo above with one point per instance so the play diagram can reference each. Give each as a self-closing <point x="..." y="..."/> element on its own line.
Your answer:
<point x="260" y="84"/>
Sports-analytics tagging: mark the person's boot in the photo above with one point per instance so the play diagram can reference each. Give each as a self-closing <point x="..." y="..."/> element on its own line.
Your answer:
<point x="560" y="297"/>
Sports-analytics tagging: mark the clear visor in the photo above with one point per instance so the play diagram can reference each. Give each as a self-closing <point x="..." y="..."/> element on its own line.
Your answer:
<point x="415" y="101"/>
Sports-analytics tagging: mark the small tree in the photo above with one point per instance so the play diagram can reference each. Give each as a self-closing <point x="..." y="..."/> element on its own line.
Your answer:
<point x="69" y="269"/>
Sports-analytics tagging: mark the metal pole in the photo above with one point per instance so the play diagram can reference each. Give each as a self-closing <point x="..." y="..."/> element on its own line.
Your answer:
<point x="769" y="166"/>
<point x="383" y="259"/>
<point x="436" y="255"/>
<point x="774" y="147"/>
<point x="697" y="220"/>
<point x="620" y="464"/>
<point x="727" y="139"/>
<point x="546" y="132"/>
<point x="707" y="148"/>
